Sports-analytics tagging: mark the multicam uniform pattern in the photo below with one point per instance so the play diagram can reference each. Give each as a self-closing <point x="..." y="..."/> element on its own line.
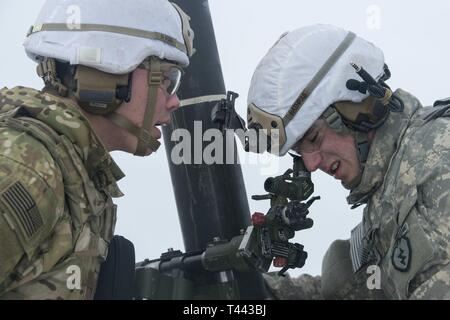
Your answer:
<point x="57" y="181"/>
<point x="406" y="221"/>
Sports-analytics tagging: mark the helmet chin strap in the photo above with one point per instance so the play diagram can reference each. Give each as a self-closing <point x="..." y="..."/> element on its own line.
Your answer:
<point x="143" y="134"/>
<point x="362" y="146"/>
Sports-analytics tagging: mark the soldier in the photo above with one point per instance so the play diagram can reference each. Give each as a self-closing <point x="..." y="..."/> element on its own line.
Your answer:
<point x="111" y="77"/>
<point x="321" y="90"/>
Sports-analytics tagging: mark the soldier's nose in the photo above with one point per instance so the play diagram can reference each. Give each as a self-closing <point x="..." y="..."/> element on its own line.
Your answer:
<point x="173" y="103"/>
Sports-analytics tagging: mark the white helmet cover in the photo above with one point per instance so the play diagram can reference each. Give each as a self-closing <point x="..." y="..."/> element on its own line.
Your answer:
<point x="111" y="52"/>
<point x="294" y="60"/>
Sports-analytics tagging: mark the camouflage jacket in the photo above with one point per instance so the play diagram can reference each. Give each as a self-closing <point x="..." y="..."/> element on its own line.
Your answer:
<point x="401" y="249"/>
<point x="57" y="181"/>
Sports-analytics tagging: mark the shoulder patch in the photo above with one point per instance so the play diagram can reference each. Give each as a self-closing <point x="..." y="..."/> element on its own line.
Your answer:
<point x="401" y="257"/>
<point x="24" y="207"/>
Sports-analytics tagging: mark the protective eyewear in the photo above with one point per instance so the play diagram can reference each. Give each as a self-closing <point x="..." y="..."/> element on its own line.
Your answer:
<point x="172" y="79"/>
<point x="171" y="75"/>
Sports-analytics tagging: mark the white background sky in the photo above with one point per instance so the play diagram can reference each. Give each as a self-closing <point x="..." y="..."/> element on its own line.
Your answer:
<point x="412" y="34"/>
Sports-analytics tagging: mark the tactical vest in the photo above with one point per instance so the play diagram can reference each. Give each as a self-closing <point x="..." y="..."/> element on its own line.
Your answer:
<point x="68" y="262"/>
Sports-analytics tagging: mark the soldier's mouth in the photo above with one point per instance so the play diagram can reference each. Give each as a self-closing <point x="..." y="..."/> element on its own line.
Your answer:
<point x="163" y="123"/>
<point x="158" y="133"/>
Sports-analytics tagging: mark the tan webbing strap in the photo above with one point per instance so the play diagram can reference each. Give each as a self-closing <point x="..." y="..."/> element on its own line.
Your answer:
<point x="188" y="33"/>
<point x="46" y="69"/>
<point x="106" y="28"/>
<point x="311" y="86"/>
<point x="143" y="133"/>
<point x="154" y="81"/>
<point x="124" y="123"/>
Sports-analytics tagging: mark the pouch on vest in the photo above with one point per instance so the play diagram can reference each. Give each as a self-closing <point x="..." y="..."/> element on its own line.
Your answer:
<point x="410" y="252"/>
<point x="116" y="279"/>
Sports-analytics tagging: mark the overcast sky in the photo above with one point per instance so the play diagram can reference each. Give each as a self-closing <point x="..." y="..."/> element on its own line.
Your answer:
<point x="413" y="36"/>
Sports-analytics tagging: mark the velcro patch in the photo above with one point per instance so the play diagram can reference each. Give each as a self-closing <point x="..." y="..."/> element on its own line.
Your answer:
<point x="359" y="253"/>
<point x="401" y="257"/>
<point x="23" y="205"/>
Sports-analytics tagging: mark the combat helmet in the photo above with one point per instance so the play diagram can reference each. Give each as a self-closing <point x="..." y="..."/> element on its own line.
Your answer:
<point x="102" y="42"/>
<point x="313" y="72"/>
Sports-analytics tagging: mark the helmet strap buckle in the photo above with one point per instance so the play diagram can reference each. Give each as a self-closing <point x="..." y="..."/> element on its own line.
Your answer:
<point x="46" y="69"/>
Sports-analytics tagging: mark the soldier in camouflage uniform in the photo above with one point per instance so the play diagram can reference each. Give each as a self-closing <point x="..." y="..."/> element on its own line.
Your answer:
<point x="107" y="86"/>
<point x="323" y="89"/>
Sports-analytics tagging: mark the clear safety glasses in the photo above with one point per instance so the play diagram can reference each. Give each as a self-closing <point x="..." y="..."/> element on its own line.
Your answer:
<point x="171" y="75"/>
<point x="171" y="79"/>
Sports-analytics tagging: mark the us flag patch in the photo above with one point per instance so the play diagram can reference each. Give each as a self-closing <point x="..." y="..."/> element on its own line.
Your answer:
<point x="23" y="205"/>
